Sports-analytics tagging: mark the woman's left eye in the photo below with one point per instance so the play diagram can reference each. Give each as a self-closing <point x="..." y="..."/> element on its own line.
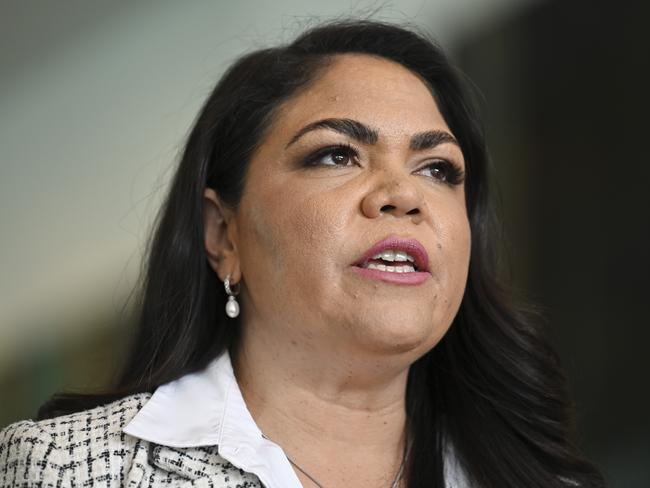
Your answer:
<point x="332" y="156"/>
<point x="445" y="171"/>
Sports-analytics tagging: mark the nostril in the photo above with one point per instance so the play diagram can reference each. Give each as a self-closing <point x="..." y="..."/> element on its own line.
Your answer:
<point x="391" y="208"/>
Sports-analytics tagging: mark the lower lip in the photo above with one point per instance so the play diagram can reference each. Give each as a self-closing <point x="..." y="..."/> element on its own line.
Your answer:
<point x="411" y="278"/>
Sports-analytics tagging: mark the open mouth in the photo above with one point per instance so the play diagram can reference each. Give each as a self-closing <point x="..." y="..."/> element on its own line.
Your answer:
<point x="395" y="255"/>
<point x="392" y="262"/>
<point x="395" y="260"/>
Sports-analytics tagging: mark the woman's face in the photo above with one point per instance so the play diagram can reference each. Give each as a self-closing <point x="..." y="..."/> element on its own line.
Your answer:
<point x="308" y="215"/>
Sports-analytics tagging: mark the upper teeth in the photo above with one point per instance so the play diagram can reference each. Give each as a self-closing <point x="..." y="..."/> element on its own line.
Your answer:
<point x="390" y="255"/>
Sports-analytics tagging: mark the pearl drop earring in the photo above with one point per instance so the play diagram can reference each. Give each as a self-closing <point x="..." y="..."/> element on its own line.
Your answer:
<point x="232" y="307"/>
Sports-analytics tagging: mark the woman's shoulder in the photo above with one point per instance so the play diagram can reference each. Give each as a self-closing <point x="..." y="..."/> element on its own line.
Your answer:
<point x="95" y="424"/>
<point x="56" y="448"/>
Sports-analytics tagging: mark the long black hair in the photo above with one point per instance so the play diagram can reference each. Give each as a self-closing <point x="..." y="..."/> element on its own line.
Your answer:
<point x="492" y="388"/>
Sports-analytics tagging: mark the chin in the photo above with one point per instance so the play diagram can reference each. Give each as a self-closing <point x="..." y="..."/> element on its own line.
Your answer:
<point x="400" y="339"/>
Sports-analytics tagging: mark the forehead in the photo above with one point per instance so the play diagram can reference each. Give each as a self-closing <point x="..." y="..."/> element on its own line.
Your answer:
<point x="373" y="90"/>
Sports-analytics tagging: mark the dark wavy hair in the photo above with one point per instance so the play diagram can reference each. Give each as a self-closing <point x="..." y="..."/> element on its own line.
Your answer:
<point x="492" y="388"/>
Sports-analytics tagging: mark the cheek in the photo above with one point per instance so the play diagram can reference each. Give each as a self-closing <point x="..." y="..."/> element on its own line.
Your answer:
<point x="454" y="249"/>
<point x="264" y="235"/>
<point x="458" y="240"/>
<point x="296" y="238"/>
<point x="314" y="229"/>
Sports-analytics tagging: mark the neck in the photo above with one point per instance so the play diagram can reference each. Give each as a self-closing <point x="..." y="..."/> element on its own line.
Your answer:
<point x="339" y="419"/>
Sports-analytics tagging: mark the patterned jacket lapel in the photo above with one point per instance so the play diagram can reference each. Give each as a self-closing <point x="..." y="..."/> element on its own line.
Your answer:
<point x="200" y="466"/>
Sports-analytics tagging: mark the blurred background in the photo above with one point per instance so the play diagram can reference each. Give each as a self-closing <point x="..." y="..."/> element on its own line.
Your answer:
<point x="96" y="98"/>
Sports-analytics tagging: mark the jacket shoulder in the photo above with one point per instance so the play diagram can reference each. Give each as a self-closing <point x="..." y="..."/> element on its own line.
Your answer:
<point x="53" y="452"/>
<point x="99" y="425"/>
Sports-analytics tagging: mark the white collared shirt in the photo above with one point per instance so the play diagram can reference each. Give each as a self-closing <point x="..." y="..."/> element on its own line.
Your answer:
<point x="206" y="408"/>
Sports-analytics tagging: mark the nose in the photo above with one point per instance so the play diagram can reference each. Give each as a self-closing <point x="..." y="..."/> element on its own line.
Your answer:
<point x="394" y="194"/>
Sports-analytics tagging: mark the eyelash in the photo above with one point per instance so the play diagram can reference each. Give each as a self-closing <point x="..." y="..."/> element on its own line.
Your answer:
<point x="454" y="174"/>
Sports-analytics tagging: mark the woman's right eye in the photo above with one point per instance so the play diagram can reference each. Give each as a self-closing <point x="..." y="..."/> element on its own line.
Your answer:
<point x="332" y="156"/>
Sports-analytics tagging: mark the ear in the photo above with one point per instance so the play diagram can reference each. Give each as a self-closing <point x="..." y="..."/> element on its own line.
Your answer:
<point x="220" y="234"/>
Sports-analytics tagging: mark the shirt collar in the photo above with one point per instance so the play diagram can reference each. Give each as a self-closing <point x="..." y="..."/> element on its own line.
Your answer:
<point x="206" y="408"/>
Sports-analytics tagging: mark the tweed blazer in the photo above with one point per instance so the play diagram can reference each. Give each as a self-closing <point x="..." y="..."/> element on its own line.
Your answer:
<point x="194" y="431"/>
<point x="90" y="449"/>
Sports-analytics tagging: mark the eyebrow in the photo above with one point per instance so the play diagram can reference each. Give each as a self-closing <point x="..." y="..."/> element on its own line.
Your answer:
<point x="367" y="135"/>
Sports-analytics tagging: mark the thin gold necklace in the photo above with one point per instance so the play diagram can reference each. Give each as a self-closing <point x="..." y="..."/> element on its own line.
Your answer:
<point x="394" y="484"/>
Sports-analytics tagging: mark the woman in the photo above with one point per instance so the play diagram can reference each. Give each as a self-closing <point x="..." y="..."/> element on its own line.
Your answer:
<point x="320" y="306"/>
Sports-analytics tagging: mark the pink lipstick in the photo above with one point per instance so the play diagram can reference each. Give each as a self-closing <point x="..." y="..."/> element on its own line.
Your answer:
<point x="382" y="260"/>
